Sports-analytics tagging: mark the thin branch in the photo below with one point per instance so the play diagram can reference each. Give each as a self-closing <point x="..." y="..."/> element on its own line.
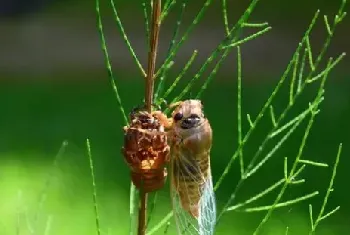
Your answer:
<point x="224" y="13"/>
<point x="171" y="47"/>
<point x="145" y="15"/>
<point x="142" y="213"/>
<point x="107" y="60"/>
<point x="239" y="107"/>
<point x="321" y="215"/>
<point x="94" y="195"/>
<point x="152" y="54"/>
<point x="149" y="89"/>
<point x="125" y="37"/>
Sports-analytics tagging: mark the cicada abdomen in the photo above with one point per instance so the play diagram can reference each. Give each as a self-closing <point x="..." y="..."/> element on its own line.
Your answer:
<point x="191" y="187"/>
<point x="146" y="150"/>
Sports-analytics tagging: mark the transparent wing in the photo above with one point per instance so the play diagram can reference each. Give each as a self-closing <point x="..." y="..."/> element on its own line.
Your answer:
<point x="185" y="223"/>
<point x="207" y="208"/>
<point x="204" y="222"/>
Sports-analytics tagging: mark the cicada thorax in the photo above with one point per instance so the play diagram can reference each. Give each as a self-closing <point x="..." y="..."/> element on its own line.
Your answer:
<point x="146" y="150"/>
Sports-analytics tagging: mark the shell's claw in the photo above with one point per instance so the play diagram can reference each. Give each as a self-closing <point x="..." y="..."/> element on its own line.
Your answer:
<point x="149" y="132"/>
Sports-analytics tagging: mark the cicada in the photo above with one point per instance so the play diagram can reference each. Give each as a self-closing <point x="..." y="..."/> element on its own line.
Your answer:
<point x="190" y="140"/>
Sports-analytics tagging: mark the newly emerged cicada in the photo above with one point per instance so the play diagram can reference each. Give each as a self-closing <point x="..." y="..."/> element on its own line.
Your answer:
<point x="190" y="140"/>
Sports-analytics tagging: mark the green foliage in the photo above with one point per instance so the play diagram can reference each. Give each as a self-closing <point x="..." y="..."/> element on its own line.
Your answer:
<point x="308" y="68"/>
<point x="281" y="127"/>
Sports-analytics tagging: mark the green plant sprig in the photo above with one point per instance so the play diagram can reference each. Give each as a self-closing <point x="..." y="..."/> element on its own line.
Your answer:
<point x="94" y="195"/>
<point x="50" y="177"/>
<point x="224" y="14"/>
<point x="298" y="157"/>
<point x="256" y="25"/>
<point x="166" y="228"/>
<point x="146" y="20"/>
<point x="282" y="204"/>
<point x="18" y="212"/>
<point x="301" y="71"/>
<point x="174" y="51"/>
<point x="48" y="223"/>
<point x="133" y="191"/>
<point x="167" y="9"/>
<point x="329" y="67"/>
<point x="278" y="130"/>
<point x="182" y="73"/>
<point x="300" y="89"/>
<point x="218" y="64"/>
<point x="126" y="39"/>
<point x="265" y="107"/>
<point x="107" y="60"/>
<point x="252" y="170"/>
<point x="313" y="163"/>
<point x="264" y="192"/>
<point x="151" y="210"/>
<point x="231" y="38"/>
<point x="249" y="172"/>
<point x="248" y="38"/>
<point x="299" y="118"/>
<point x="321" y="216"/>
<point x="296" y="55"/>
<point x="161" y="223"/>
<point x="227" y="41"/>
<point x="292" y="81"/>
<point x="162" y="79"/>
<point x="239" y="107"/>
<point x="32" y="224"/>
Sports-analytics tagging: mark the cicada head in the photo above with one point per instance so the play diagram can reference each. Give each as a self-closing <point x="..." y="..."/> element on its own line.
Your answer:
<point x="188" y="114"/>
<point x="191" y="127"/>
<point x="146" y="150"/>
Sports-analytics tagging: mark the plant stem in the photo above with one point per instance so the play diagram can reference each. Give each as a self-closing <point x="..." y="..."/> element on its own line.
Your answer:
<point x="152" y="54"/>
<point x="94" y="194"/>
<point x="149" y="90"/>
<point x="142" y="213"/>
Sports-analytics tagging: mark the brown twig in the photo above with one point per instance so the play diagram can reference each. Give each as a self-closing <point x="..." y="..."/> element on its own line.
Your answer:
<point x="142" y="213"/>
<point x="152" y="54"/>
<point x="149" y="88"/>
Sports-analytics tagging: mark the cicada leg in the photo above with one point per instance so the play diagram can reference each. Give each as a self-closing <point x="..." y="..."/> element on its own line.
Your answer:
<point x="175" y="104"/>
<point x="163" y="119"/>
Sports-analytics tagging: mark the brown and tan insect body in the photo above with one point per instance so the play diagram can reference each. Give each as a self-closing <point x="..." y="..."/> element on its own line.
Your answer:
<point x="146" y="153"/>
<point x="190" y="138"/>
<point x="191" y="144"/>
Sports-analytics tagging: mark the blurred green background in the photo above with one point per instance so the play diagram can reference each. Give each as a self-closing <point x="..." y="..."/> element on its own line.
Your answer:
<point x="54" y="87"/>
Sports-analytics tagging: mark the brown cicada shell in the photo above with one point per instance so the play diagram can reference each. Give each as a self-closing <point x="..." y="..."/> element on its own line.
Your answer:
<point x="146" y="150"/>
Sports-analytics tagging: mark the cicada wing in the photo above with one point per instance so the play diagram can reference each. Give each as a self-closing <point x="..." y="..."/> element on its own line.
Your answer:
<point x="207" y="209"/>
<point x="186" y="223"/>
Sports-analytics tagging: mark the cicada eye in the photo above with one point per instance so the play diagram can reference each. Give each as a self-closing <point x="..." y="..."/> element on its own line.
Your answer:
<point x="178" y="116"/>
